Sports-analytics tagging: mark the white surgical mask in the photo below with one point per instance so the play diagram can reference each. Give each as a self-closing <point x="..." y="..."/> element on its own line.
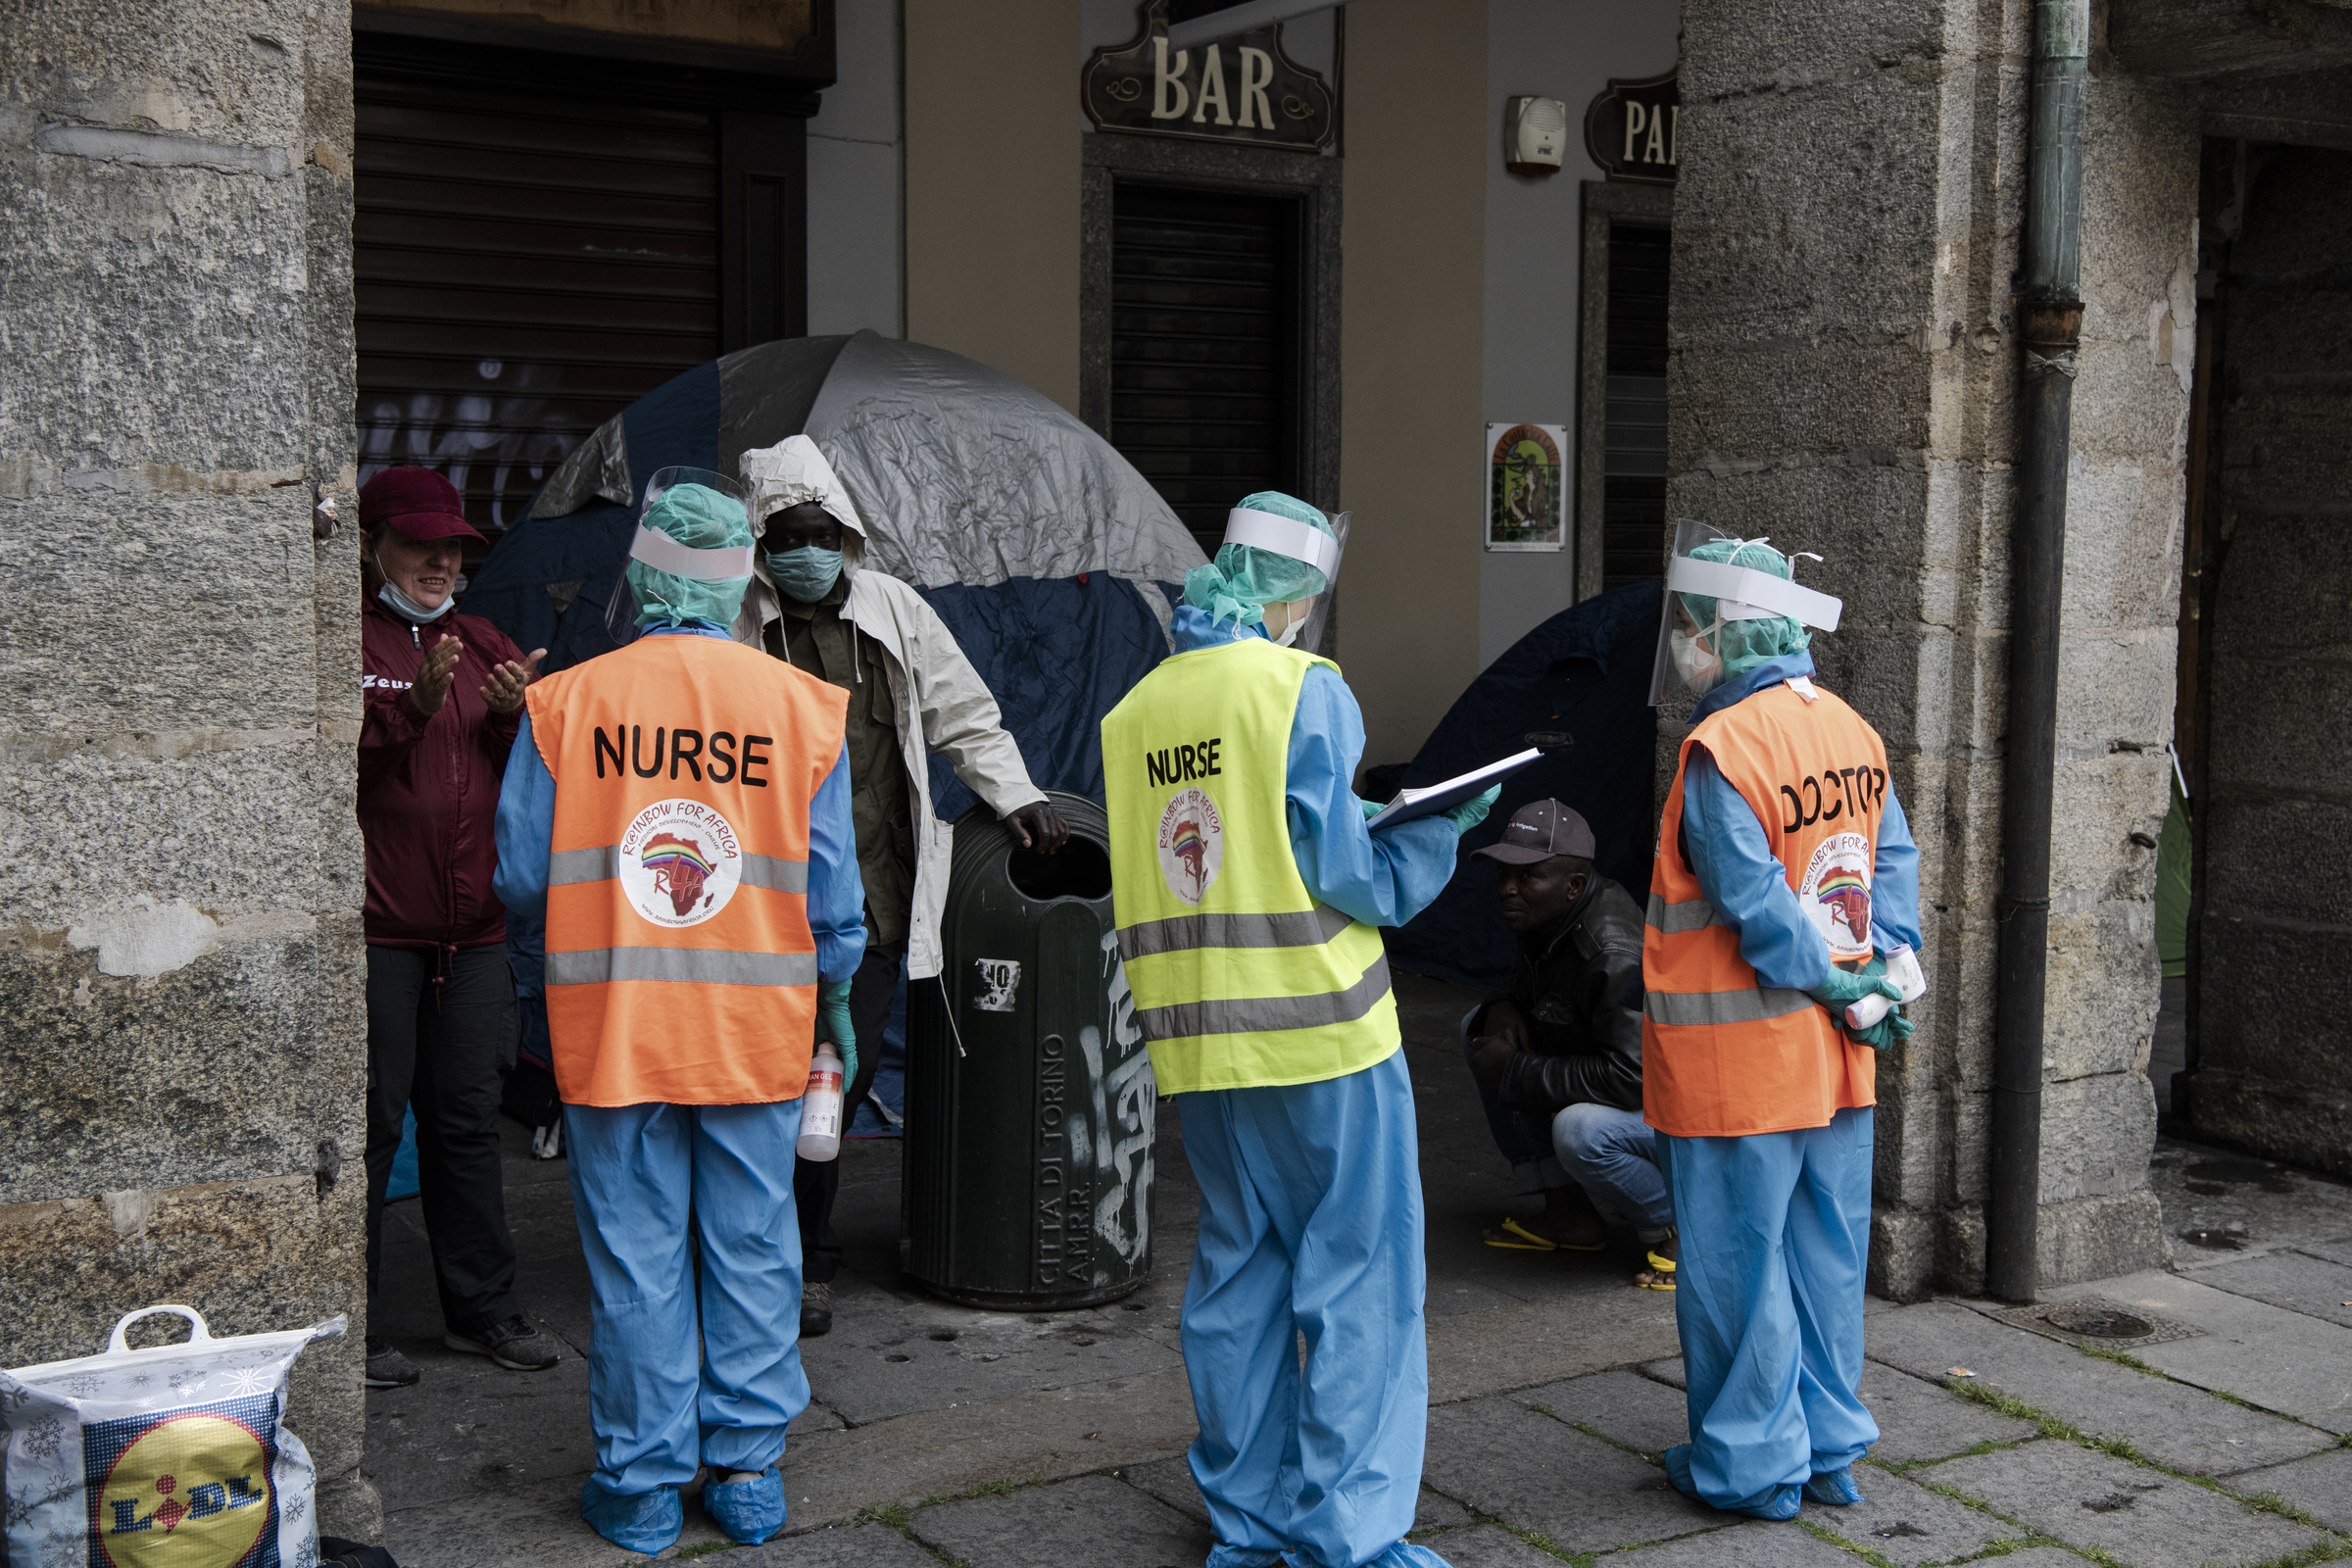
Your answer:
<point x="1700" y="666"/>
<point x="401" y="604"/>
<point x="1296" y="610"/>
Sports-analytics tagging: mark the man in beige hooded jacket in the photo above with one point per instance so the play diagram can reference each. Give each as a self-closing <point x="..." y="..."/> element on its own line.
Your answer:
<point x="911" y="692"/>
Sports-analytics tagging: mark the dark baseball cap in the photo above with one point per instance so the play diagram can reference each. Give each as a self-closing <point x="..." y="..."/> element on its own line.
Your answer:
<point x="418" y="502"/>
<point x="1540" y="831"/>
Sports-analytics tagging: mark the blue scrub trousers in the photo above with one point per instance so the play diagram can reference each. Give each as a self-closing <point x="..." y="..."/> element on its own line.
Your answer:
<point x="1311" y="1223"/>
<point x="672" y="1382"/>
<point x="1776" y="1234"/>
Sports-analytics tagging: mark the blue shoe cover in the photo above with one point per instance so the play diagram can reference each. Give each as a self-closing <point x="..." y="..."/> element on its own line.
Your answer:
<point x="1835" y="1487"/>
<point x="648" y="1520"/>
<point x="1408" y="1554"/>
<point x="1781" y="1502"/>
<point x="1245" y="1558"/>
<point x="748" y="1511"/>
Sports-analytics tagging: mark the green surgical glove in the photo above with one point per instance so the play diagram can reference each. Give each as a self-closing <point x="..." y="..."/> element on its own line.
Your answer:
<point x="833" y="1023"/>
<point x="1844" y="988"/>
<point x="1885" y="1035"/>
<point x="1473" y="810"/>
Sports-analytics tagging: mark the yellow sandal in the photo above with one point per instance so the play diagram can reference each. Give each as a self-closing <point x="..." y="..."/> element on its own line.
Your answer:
<point x="1511" y="1236"/>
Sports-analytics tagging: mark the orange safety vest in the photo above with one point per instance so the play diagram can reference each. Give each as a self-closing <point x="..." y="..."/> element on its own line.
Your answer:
<point x="1722" y="1055"/>
<point x="680" y="966"/>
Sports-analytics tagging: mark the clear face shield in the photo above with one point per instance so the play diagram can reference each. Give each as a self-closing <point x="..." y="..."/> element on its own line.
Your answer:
<point x="1691" y="656"/>
<point x="1287" y="536"/>
<point x="706" y="570"/>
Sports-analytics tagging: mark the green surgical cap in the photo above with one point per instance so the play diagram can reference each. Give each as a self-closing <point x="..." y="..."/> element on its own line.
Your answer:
<point x="701" y="519"/>
<point x="1245" y="579"/>
<point x="1742" y="645"/>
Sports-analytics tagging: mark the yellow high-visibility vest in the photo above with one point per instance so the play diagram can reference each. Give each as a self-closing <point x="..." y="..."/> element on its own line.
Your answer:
<point x="1240" y="978"/>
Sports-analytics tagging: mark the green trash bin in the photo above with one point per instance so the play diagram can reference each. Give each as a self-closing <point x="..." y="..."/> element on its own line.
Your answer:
<point x="1030" y="1101"/>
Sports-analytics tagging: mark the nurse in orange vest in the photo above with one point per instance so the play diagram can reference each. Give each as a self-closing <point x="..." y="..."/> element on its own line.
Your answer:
<point x="1784" y="879"/>
<point x="680" y="811"/>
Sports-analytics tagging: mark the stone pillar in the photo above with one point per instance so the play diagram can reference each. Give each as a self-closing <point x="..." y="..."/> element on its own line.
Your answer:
<point x="1842" y="379"/>
<point x="182" y="1043"/>
<point x="2274" y="971"/>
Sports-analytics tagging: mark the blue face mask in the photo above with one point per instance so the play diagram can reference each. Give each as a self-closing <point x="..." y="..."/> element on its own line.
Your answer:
<point x="401" y="604"/>
<point x="805" y="574"/>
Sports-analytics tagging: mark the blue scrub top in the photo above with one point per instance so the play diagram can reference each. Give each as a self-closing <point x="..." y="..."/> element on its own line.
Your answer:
<point x="1383" y="879"/>
<point x="527" y="827"/>
<point x="1749" y="887"/>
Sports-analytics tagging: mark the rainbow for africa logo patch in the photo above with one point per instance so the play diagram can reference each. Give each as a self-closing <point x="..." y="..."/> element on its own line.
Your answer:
<point x="185" y="1489"/>
<point x="1192" y="844"/>
<point x="679" y="862"/>
<point x="1835" y="893"/>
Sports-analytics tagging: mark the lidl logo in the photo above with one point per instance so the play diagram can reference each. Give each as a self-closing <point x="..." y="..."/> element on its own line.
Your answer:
<point x="187" y="1489"/>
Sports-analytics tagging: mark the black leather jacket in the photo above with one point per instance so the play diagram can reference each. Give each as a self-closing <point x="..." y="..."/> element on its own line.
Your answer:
<point x="1580" y="991"/>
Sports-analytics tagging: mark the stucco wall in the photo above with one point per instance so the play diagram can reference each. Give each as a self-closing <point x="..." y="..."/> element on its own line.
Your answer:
<point x="856" y="238"/>
<point x="1842" y="379"/>
<point x="1411" y="329"/>
<point x="181" y="1044"/>
<point x="992" y="186"/>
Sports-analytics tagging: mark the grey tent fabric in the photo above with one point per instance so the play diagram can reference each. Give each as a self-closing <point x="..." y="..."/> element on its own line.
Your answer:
<point x="766" y="393"/>
<point x="964" y="475"/>
<point x="597" y="467"/>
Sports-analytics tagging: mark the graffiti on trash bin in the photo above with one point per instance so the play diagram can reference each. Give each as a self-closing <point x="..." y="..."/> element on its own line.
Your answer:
<point x="1000" y="983"/>
<point x="1126" y="1100"/>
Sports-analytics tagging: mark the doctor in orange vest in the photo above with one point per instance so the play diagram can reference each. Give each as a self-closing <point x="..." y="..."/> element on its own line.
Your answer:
<point x="1784" y="882"/>
<point x="680" y="811"/>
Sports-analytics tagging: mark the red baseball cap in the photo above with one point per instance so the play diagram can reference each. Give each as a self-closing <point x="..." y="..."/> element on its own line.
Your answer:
<point x="1539" y="832"/>
<point x="418" y="502"/>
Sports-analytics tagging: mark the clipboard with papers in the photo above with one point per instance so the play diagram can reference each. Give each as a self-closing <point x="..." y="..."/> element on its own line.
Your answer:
<point x="1431" y="798"/>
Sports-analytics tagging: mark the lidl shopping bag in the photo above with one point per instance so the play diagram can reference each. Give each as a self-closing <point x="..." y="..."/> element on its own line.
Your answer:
<point x="174" y="1456"/>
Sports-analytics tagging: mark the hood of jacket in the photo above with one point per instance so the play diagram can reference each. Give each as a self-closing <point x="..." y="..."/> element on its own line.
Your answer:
<point x="791" y="473"/>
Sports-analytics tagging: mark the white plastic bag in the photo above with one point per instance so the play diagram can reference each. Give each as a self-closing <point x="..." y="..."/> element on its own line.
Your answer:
<point x="176" y="1456"/>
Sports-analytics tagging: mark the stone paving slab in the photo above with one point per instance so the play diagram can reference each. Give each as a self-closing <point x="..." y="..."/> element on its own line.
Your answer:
<point x="1907" y="1524"/>
<point x="892" y="1356"/>
<point x="2320" y="1486"/>
<point x="1920" y="1420"/>
<point x="1076" y="1524"/>
<point x="1917" y="1419"/>
<point x="1171" y="1482"/>
<point x="2266" y="1355"/>
<point x="471" y="1425"/>
<point x="1489" y="1546"/>
<point x="534" y="1525"/>
<point x="1543" y="1342"/>
<point x="1744" y="1543"/>
<point x="2170" y="1422"/>
<point x="1624" y="1405"/>
<point x="2337" y="1249"/>
<point x="1540" y="1474"/>
<point x="2296" y="1281"/>
<point x="2143" y="1517"/>
<point x="842" y="1546"/>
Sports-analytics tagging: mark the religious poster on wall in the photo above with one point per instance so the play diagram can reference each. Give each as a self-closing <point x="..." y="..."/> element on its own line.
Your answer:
<point x="1242" y="88"/>
<point x="1527" y="487"/>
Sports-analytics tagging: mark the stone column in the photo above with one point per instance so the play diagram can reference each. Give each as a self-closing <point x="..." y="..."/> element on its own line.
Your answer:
<point x="183" y="1043"/>
<point x="1843" y="380"/>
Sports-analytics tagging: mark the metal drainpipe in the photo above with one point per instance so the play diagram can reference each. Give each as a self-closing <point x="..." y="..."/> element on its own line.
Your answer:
<point x="2050" y="318"/>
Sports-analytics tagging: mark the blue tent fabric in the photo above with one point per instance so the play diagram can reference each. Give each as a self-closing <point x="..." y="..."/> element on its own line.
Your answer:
<point x="1058" y="653"/>
<point x="1585" y="671"/>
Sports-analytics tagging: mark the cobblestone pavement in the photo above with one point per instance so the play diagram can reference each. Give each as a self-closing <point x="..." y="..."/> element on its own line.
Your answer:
<point x="942" y="1435"/>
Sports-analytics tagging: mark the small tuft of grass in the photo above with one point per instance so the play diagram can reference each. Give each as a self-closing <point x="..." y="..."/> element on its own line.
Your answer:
<point x="1591" y="1431"/>
<point x="2120" y="1358"/>
<point x="896" y="1515"/>
<point x="704" y="1549"/>
<point x="1875" y="1559"/>
<point x="2272" y="1502"/>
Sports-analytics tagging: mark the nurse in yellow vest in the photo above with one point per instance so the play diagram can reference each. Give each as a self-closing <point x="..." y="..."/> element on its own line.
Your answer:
<point x="1784" y="879"/>
<point x="680" y="811"/>
<point x="1247" y="893"/>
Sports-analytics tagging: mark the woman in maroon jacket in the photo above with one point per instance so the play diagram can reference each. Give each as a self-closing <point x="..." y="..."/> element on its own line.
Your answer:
<point x="442" y="694"/>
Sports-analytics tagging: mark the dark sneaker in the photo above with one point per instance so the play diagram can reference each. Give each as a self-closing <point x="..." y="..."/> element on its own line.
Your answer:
<point x="387" y="1368"/>
<point x="513" y="1343"/>
<point x="816" y="1310"/>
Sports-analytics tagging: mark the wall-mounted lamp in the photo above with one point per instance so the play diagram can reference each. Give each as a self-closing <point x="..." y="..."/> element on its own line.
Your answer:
<point x="1535" y="136"/>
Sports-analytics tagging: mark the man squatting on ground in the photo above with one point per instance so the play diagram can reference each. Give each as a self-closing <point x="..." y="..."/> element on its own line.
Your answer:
<point x="1246" y="891"/>
<point x="1785" y="872"/>
<point x="700" y="922"/>
<point x="1557" y="1055"/>
<point x="815" y="605"/>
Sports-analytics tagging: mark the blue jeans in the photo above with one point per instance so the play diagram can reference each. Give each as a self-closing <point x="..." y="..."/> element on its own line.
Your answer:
<point x="1611" y="1154"/>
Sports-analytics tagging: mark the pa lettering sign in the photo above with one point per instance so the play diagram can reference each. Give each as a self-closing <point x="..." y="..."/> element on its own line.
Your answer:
<point x="1630" y="130"/>
<point x="1237" y="89"/>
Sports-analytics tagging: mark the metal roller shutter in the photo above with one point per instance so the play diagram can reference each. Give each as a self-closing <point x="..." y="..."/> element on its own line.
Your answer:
<point x="1205" y="346"/>
<point x="525" y="267"/>
<point x="1633" y="518"/>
